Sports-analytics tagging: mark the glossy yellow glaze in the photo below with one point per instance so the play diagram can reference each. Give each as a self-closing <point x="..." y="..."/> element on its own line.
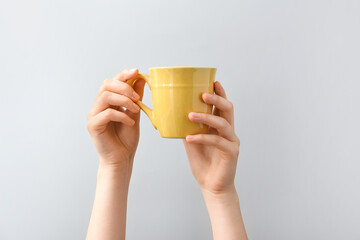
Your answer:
<point x="176" y="91"/>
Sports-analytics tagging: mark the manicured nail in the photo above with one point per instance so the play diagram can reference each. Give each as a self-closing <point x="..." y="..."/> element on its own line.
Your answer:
<point x="135" y="95"/>
<point x="132" y="70"/>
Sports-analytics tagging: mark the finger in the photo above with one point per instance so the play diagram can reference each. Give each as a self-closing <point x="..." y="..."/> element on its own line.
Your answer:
<point x="108" y="99"/>
<point x="222" y="126"/>
<point x="216" y="111"/>
<point x="219" y="102"/>
<point x="118" y="87"/>
<point x="126" y="74"/>
<point x="138" y="86"/>
<point x="219" y="90"/>
<point x="100" y="121"/>
<point x="213" y="140"/>
<point x="224" y="107"/>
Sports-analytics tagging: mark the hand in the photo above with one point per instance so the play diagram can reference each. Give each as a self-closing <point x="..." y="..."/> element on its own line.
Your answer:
<point x="213" y="156"/>
<point x="114" y="130"/>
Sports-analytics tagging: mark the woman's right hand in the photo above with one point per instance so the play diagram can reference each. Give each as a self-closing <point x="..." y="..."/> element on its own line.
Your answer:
<point x="114" y="130"/>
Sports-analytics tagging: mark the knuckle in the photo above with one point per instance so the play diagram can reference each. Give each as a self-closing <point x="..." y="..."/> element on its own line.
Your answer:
<point x="201" y="137"/>
<point x="89" y="126"/>
<point x="125" y="88"/>
<point x="127" y="101"/>
<point x="205" y="117"/>
<point x="109" y="112"/>
<point x="106" y="95"/>
<point x="230" y="106"/>
<point x="220" y="141"/>
<point x="216" y="98"/>
<point x="107" y="82"/>
<point x="106" y="85"/>
<point x="223" y="124"/>
<point x="238" y="141"/>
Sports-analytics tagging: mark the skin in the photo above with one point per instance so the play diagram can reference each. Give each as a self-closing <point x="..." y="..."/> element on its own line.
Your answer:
<point x="212" y="158"/>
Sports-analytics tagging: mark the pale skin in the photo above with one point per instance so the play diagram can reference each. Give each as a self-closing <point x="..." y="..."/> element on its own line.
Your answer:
<point x="212" y="158"/>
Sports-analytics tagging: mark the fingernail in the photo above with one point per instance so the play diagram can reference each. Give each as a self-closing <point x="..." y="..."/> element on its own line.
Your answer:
<point x="135" y="95"/>
<point x="132" y="70"/>
<point x="136" y="107"/>
<point x="189" y="137"/>
<point x="208" y="95"/>
<point x="195" y="115"/>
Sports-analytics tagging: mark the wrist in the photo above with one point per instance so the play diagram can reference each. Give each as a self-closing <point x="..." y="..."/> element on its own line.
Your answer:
<point x="226" y="197"/>
<point x="119" y="173"/>
<point x="121" y="165"/>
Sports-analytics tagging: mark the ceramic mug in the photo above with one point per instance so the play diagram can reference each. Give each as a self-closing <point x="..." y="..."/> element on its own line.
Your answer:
<point x="177" y="91"/>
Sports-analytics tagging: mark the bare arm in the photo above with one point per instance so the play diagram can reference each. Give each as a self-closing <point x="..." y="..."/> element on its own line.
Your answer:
<point x="213" y="159"/>
<point x="115" y="133"/>
<point x="108" y="218"/>
<point x="225" y="215"/>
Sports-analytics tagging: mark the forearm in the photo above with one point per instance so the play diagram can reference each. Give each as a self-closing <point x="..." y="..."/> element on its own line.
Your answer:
<point x="225" y="215"/>
<point x="108" y="218"/>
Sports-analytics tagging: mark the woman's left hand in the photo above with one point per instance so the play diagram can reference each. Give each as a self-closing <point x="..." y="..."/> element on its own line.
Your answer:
<point x="213" y="156"/>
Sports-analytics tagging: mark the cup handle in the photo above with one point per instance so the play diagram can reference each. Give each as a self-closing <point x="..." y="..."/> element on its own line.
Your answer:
<point x="148" y="111"/>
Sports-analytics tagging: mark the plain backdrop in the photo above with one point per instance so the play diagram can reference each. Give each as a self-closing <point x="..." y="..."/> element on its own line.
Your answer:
<point x="291" y="68"/>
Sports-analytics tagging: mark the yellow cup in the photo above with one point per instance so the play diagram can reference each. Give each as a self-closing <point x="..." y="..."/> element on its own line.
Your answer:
<point x="176" y="91"/>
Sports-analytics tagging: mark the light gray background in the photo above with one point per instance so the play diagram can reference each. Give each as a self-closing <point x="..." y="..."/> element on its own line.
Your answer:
<point x="292" y="69"/>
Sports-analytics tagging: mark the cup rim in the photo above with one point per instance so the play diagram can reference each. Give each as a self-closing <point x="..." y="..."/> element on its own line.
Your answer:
<point x="177" y="67"/>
